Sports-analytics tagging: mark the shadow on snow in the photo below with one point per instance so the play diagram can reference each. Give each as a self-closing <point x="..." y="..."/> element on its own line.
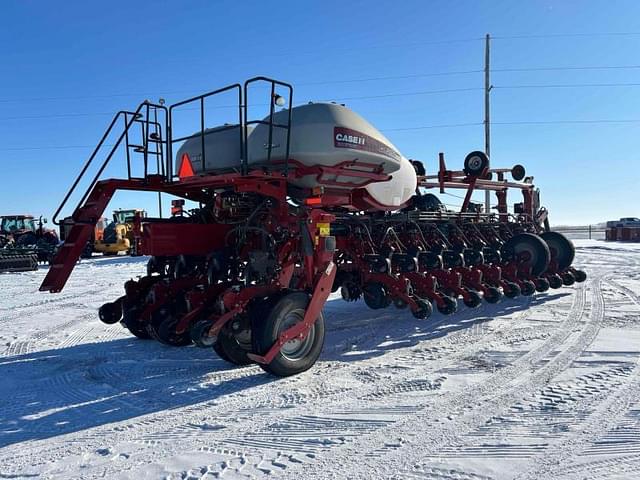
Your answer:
<point x="59" y="391"/>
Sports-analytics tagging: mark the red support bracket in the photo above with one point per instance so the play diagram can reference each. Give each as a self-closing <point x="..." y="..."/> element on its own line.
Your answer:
<point x="321" y="292"/>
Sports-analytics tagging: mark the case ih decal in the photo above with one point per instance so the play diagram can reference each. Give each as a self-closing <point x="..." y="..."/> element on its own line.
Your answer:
<point x="348" y="138"/>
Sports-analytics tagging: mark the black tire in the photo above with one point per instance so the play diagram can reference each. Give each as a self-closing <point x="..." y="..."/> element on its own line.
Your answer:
<point x="492" y="295"/>
<point x="512" y="290"/>
<point x="164" y="321"/>
<point x="375" y="296"/>
<point x="542" y="285"/>
<point x="473" y="300"/>
<point x="561" y="248"/>
<point x="131" y="320"/>
<point x="555" y="281"/>
<point x="475" y="163"/>
<point x="423" y="311"/>
<point x="197" y="331"/>
<point x="295" y="356"/>
<point x="233" y="347"/>
<point x="418" y="166"/>
<point x="568" y="279"/>
<point x="110" y="312"/>
<point x="473" y="257"/>
<point x="528" y="288"/>
<point x="531" y="246"/>
<point x="167" y="333"/>
<point x="580" y="276"/>
<point x="518" y="172"/>
<point x="450" y="305"/>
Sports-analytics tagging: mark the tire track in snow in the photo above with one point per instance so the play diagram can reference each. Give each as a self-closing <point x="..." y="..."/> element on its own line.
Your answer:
<point x="488" y="398"/>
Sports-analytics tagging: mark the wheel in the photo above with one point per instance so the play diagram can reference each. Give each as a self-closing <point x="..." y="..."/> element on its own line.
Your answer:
<point x="512" y="290"/>
<point x="542" y="285"/>
<point x="234" y="342"/>
<point x="518" y="172"/>
<point x="492" y="295"/>
<point x="131" y="320"/>
<point x="472" y="300"/>
<point x="475" y="163"/>
<point x="198" y="331"/>
<point x="580" y="276"/>
<point x="110" y="313"/>
<point x="560" y="247"/>
<point x="568" y="279"/>
<point x="418" y="166"/>
<point x="375" y="296"/>
<point x="528" y="288"/>
<point x="163" y="325"/>
<point x="555" y="281"/>
<point x="296" y="355"/>
<point x="473" y="257"/>
<point x="449" y="306"/>
<point x="423" y="311"/>
<point x="527" y="249"/>
<point x="167" y="333"/>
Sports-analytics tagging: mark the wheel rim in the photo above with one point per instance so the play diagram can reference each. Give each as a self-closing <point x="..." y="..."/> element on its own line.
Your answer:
<point x="295" y="349"/>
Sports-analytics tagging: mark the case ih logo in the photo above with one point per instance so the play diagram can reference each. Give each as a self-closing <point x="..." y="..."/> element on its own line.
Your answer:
<point x="347" y="138"/>
<point x="352" y="139"/>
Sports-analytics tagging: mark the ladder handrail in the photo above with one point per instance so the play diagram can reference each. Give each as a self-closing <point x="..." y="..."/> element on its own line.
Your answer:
<point x="90" y="160"/>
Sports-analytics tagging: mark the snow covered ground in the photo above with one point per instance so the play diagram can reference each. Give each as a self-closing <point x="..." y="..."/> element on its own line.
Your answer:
<point x="546" y="387"/>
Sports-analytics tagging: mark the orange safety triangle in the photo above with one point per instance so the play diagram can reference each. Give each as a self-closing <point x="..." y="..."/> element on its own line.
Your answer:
<point x="186" y="169"/>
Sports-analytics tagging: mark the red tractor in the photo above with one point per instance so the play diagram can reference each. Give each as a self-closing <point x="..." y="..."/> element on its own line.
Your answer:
<point x="292" y="206"/>
<point x="24" y="242"/>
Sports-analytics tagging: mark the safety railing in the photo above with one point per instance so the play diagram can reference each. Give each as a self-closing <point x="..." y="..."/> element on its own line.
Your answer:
<point x="274" y="101"/>
<point x="129" y="119"/>
<point x="203" y="133"/>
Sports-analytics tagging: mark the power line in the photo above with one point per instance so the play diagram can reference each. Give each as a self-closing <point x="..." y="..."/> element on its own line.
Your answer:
<point x="568" y="85"/>
<point x="421" y="127"/>
<point x="553" y="69"/>
<point x="565" y="35"/>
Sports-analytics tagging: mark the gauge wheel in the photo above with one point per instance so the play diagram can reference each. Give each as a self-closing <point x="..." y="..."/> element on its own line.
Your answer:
<point x="296" y="355"/>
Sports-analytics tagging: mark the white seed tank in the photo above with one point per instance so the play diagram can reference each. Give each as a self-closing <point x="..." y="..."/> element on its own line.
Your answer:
<point x="321" y="135"/>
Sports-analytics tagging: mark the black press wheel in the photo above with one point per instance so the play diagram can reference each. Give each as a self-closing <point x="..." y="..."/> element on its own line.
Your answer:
<point x="561" y="248"/>
<point x="131" y="320"/>
<point x="110" y="312"/>
<point x="542" y="284"/>
<point x="375" y="296"/>
<point x="492" y="295"/>
<point x="527" y="249"/>
<point x="472" y="300"/>
<point x="512" y="290"/>
<point x="167" y="333"/>
<point x="475" y="163"/>
<point x="580" y="276"/>
<point x="449" y="306"/>
<point x="555" y="281"/>
<point x="423" y="309"/>
<point x="234" y="342"/>
<point x="568" y="279"/>
<point x="528" y="288"/>
<point x="296" y="355"/>
<point x="163" y="325"/>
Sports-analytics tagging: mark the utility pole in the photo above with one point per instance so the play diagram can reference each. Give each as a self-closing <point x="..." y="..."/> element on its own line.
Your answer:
<point x="487" y="123"/>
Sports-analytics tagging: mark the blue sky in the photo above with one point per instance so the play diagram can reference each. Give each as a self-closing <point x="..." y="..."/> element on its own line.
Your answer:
<point x="68" y="66"/>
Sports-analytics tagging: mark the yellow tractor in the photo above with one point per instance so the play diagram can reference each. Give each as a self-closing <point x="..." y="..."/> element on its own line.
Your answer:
<point x="118" y="235"/>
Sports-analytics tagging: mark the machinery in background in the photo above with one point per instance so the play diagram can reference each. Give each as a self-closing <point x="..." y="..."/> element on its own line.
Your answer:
<point x="119" y="235"/>
<point x="25" y="242"/>
<point x="96" y="235"/>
